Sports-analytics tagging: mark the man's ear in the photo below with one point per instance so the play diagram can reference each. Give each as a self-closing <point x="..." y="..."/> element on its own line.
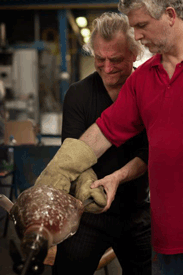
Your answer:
<point x="171" y="14"/>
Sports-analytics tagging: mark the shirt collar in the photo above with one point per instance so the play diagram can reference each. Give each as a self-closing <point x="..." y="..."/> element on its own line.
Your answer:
<point x="156" y="60"/>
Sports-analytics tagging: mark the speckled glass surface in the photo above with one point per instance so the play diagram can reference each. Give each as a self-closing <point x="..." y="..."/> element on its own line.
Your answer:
<point x="52" y="209"/>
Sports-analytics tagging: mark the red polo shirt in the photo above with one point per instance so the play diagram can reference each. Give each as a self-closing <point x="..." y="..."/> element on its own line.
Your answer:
<point x="149" y="98"/>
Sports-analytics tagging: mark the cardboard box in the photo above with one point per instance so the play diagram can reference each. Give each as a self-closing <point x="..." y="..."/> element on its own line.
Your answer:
<point x="23" y="132"/>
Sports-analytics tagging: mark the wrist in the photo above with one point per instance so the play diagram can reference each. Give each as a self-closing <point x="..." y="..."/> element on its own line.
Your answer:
<point x="121" y="175"/>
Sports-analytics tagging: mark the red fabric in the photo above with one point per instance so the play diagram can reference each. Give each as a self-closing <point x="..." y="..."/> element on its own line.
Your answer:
<point x="151" y="99"/>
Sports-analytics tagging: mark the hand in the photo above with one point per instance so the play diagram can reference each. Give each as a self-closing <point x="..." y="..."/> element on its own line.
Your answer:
<point x="132" y="170"/>
<point x="73" y="157"/>
<point x="110" y="184"/>
<point x="84" y="191"/>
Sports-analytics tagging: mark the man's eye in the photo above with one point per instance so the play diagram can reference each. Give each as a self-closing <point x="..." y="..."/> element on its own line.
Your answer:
<point x="141" y="25"/>
<point x="100" y="59"/>
<point x="117" y="60"/>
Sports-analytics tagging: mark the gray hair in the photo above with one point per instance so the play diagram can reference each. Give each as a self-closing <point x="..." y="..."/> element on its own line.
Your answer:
<point x="108" y="25"/>
<point x="155" y="7"/>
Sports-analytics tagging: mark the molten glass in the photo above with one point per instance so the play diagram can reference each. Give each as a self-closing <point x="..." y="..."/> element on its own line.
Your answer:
<point x="47" y="210"/>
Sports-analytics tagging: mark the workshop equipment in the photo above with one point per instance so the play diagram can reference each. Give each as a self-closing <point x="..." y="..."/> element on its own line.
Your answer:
<point x="43" y="217"/>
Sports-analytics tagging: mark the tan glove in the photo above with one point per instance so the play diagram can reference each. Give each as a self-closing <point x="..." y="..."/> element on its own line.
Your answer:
<point x="83" y="191"/>
<point x="73" y="157"/>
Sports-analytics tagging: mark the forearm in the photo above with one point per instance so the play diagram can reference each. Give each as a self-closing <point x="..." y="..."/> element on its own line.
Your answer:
<point x="94" y="138"/>
<point x="132" y="170"/>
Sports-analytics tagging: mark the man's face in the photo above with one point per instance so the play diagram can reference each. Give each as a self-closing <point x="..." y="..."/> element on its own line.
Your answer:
<point x="113" y="60"/>
<point x="154" y="34"/>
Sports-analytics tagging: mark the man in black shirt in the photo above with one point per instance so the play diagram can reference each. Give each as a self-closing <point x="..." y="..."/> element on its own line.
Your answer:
<point x="126" y="225"/>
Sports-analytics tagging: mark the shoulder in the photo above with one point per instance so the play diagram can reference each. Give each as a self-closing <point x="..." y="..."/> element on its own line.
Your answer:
<point x="84" y="87"/>
<point x="88" y="82"/>
<point x="145" y="71"/>
<point x="148" y="64"/>
<point x="84" y="91"/>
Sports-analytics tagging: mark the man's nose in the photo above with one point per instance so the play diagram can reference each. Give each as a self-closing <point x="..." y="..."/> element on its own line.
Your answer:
<point x="138" y="34"/>
<point x="108" y="67"/>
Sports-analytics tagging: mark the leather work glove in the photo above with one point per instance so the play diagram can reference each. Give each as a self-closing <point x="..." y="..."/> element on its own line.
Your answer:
<point x="73" y="157"/>
<point x="83" y="191"/>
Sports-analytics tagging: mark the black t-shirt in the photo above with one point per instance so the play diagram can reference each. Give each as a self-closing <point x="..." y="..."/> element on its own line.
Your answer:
<point x="83" y="104"/>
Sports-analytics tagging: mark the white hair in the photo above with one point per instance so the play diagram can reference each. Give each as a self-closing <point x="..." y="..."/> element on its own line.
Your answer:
<point x="108" y="25"/>
<point x="155" y="7"/>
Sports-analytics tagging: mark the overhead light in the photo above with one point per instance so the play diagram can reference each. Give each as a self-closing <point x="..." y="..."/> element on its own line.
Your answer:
<point x="85" y="32"/>
<point x="81" y="21"/>
<point x="86" y="39"/>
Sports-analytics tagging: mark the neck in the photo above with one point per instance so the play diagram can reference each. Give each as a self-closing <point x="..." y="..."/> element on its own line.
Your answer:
<point x="169" y="61"/>
<point x="175" y="54"/>
<point x="113" y="92"/>
<point x="173" y="57"/>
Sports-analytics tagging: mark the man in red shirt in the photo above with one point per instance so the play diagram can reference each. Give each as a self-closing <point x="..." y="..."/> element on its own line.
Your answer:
<point x="153" y="98"/>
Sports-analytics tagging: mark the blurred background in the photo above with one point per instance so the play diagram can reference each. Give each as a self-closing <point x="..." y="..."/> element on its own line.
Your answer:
<point x="41" y="55"/>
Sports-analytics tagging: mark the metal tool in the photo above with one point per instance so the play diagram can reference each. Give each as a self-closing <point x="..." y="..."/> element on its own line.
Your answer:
<point x="33" y="264"/>
<point x="88" y="201"/>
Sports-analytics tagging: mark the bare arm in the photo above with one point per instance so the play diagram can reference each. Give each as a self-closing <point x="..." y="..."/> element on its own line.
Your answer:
<point x="96" y="140"/>
<point x="132" y="170"/>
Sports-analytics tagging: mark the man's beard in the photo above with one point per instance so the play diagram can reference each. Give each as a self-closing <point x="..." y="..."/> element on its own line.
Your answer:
<point x="161" y="46"/>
